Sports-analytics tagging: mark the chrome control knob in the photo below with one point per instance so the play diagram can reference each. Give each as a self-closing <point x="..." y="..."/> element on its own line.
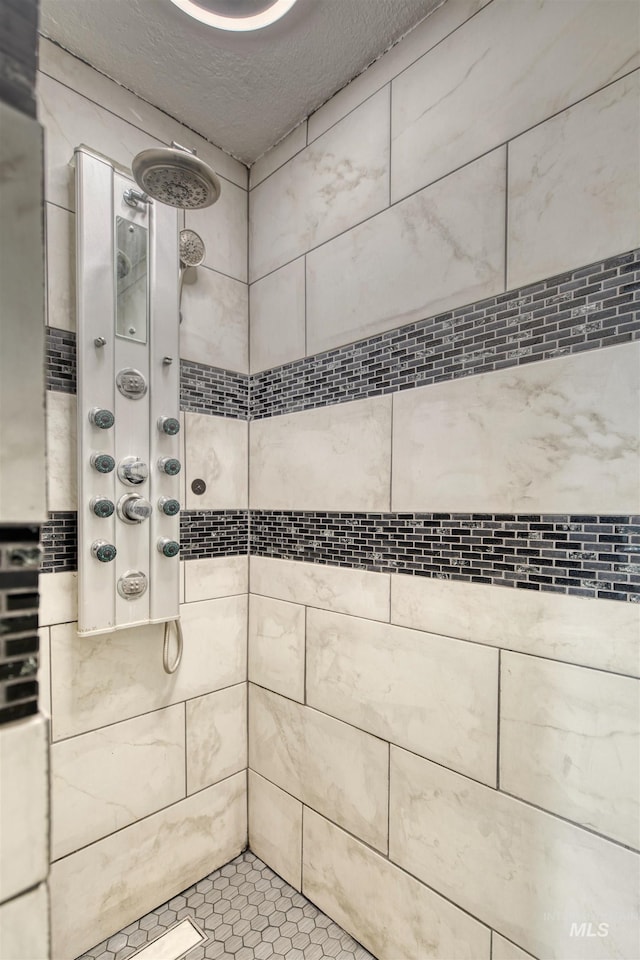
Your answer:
<point x="168" y="548"/>
<point x="103" y="419"/>
<point x="169" y="425"/>
<point x="102" y="506"/>
<point x="170" y="466"/>
<point x="103" y="551"/>
<point x="132" y="508"/>
<point x="169" y="506"/>
<point x="133" y="471"/>
<point x="102" y="462"/>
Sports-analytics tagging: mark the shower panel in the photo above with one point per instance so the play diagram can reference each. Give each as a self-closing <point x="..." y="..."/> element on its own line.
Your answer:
<point x="128" y="401"/>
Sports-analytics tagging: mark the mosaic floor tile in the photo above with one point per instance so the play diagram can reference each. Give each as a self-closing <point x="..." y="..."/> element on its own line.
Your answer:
<point x="247" y="912"/>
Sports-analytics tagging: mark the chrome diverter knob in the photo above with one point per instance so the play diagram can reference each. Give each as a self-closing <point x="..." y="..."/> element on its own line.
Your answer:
<point x="132" y="508"/>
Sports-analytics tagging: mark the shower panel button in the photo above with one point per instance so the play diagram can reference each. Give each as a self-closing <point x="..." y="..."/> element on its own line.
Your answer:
<point x="103" y="551"/>
<point x="133" y="508"/>
<point x="169" y="465"/>
<point x="131" y="383"/>
<point x="169" y="425"/>
<point x="132" y="584"/>
<point x="169" y="506"/>
<point x="168" y="548"/>
<point x="103" y="419"/>
<point x="102" y="462"/>
<point x="102" y="507"/>
<point x="132" y="470"/>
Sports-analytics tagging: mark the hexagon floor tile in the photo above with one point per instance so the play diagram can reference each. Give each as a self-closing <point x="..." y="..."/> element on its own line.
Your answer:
<point x="247" y="912"/>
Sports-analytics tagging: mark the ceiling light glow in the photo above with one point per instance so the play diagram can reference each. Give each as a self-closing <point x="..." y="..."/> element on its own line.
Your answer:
<point x="251" y="14"/>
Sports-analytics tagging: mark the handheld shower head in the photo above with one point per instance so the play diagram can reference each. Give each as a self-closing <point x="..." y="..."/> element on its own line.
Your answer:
<point x="192" y="249"/>
<point x="176" y="176"/>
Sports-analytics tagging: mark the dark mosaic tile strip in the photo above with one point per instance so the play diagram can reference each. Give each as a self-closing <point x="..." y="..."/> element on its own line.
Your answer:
<point x="60" y="542"/>
<point x="595" y="306"/>
<point x="19" y="645"/>
<point x="205" y="389"/>
<point x="213" y="533"/>
<point x="61" y="362"/>
<point x="587" y="556"/>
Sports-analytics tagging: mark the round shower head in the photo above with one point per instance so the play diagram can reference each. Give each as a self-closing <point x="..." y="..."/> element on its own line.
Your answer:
<point x="192" y="250"/>
<point x="176" y="177"/>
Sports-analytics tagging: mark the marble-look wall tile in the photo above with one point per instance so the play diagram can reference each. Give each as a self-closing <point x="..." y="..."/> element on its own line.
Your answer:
<point x="339" y="180"/>
<point x="361" y="593"/>
<point x="443" y="21"/>
<point x="87" y="682"/>
<point x="101" y="889"/>
<point x="275" y="828"/>
<point x="216" y="452"/>
<point x="223" y="228"/>
<point x="61" y="267"/>
<point x="433" y="695"/>
<point x="578" y="169"/>
<point x="502" y="949"/>
<point x="514" y="65"/>
<point x="278" y="155"/>
<point x="44" y="672"/>
<point x="561" y="436"/>
<point x="216" y="736"/>
<point x="215" y="577"/>
<point x="570" y="743"/>
<point x="543" y="624"/>
<point x="277" y="646"/>
<point x="389" y="912"/>
<point x="328" y="765"/>
<point x="24" y="926"/>
<point x="519" y="869"/>
<point x="330" y="458"/>
<point x="105" y="780"/>
<point x="439" y="249"/>
<point x="63" y="66"/>
<point x="215" y="317"/>
<point x="58" y="597"/>
<point x="277" y="332"/>
<point x="61" y="414"/>
<point x="24" y="804"/>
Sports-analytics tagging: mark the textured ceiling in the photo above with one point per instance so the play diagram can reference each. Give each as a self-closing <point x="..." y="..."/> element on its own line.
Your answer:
<point x="241" y="91"/>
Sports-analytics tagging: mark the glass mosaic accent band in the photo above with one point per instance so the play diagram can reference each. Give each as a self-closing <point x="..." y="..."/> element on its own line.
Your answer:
<point x="596" y="306"/>
<point x="60" y="542"/>
<point x="19" y="645"/>
<point x="61" y="363"/>
<point x="587" y="556"/>
<point x="213" y="533"/>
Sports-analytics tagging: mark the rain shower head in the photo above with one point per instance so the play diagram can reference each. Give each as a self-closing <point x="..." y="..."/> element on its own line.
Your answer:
<point x="176" y="176"/>
<point x="192" y="249"/>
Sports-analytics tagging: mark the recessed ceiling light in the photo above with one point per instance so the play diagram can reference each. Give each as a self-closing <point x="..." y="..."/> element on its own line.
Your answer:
<point x="239" y="15"/>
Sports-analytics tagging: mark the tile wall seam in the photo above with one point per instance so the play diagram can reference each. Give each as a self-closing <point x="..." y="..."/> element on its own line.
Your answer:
<point x="498" y="719"/>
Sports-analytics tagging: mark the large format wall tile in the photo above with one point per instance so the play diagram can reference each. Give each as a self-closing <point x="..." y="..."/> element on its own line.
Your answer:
<point x="105" y="780"/>
<point x="388" y="911"/>
<point x="331" y="458"/>
<point x="216" y="736"/>
<point x="544" y="624"/>
<point x="524" y="872"/>
<point x="275" y="828"/>
<point x="87" y="680"/>
<point x="99" y="890"/>
<point x="214" y="320"/>
<point x="216" y="452"/>
<point x="277" y="302"/>
<point x="61" y="268"/>
<point x="277" y="646"/>
<point x="570" y="743"/>
<point x="361" y="593"/>
<point x="554" y="437"/>
<point x="340" y="180"/>
<point x="435" y="696"/>
<point x="557" y="177"/>
<point x="213" y="577"/>
<point x="513" y="65"/>
<point x="58" y="597"/>
<point x="23" y="806"/>
<point x="439" y="249"/>
<point x="223" y="228"/>
<point x="284" y="150"/>
<point x="61" y="451"/>
<point x="502" y="949"/>
<point x="24" y="926"/>
<point x="330" y="766"/>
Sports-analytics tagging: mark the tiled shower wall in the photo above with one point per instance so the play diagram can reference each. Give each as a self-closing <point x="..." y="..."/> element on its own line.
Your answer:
<point x="443" y="633"/>
<point x="145" y="768"/>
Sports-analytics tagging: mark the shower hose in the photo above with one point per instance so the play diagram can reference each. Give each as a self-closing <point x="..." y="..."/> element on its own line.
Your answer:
<point x="172" y="667"/>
